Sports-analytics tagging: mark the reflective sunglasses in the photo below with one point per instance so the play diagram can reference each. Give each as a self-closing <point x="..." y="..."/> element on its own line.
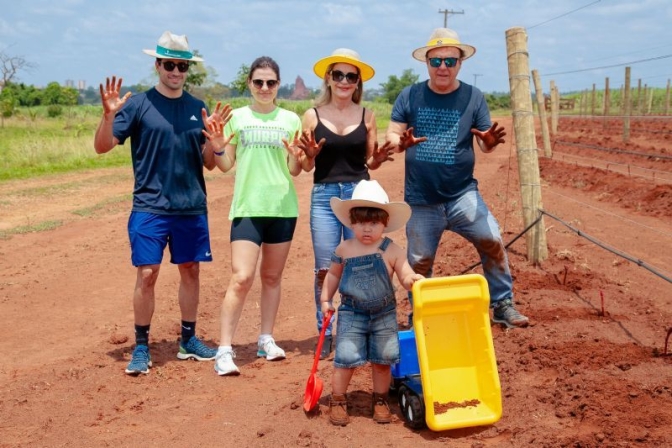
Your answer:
<point x="436" y="62"/>
<point x="169" y="66"/>
<point x="259" y="83"/>
<point x="350" y="78"/>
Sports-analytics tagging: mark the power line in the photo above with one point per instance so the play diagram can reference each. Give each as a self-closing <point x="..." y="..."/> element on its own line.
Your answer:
<point x="563" y="15"/>
<point x="632" y="52"/>
<point x="610" y="66"/>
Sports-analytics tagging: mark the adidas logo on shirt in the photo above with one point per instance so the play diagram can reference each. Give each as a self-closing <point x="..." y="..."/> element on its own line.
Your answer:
<point x="193" y="118"/>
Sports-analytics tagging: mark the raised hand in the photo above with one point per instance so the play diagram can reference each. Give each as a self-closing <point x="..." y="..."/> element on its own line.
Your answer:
<point x="407" y="139"/>
<point x="310" y="147"/>
<point x="382" y="153"/>
<point x="293" y="149"/>
<point x="221" y="114"/>
<point x="215" y="125"/>
<point x="492" y="137"/>
<point x="110" y="96"/>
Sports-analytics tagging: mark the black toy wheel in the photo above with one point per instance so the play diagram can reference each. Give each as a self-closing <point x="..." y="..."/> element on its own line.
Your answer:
<point x="411" y="407"/>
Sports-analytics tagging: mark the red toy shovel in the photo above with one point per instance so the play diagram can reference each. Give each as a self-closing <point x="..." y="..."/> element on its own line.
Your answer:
<point x="315" y="385"/>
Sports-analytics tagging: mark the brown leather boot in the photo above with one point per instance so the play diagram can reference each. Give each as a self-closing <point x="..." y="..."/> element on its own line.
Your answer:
<point x="381" y="409"/>
<point x="338" y="410"/>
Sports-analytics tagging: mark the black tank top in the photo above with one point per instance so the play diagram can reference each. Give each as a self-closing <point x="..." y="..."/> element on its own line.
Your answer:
<point x="343" y="157"/>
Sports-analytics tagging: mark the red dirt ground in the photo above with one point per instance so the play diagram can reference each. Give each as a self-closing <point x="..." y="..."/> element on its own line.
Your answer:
<point x="574" y="378"/>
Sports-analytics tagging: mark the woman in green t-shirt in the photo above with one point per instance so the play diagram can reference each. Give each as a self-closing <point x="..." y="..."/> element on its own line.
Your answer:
<point x="264" y="208"/>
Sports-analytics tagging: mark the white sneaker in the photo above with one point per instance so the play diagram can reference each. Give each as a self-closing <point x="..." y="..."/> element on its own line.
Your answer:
<point x="270" y="350"/>
<point x="224" y="364"/>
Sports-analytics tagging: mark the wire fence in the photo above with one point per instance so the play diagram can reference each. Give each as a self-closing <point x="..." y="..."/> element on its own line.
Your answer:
<point x="627" y="169"/>
<point x="592" y="239"/>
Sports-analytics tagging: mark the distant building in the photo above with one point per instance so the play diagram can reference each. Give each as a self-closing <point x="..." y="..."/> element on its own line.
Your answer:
<point x="69" y="83"/>
<point x="81" y="84"/>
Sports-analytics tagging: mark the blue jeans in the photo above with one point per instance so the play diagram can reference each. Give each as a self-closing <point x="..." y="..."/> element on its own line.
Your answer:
<point x="469" y="217"/>
<point x="327" y="233"/>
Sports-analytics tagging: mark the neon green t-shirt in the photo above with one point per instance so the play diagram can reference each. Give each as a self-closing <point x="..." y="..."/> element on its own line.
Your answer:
<point x="263" y="185"/>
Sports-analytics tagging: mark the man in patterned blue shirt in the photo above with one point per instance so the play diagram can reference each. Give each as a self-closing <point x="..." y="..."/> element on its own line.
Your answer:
<point x="434" y="122"/>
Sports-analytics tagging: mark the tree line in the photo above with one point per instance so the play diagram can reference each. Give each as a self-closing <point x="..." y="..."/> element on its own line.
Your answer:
<point x="200" y="82"/>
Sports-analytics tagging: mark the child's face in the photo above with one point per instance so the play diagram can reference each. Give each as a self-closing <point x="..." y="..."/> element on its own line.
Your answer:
<point x="368" y="232"/>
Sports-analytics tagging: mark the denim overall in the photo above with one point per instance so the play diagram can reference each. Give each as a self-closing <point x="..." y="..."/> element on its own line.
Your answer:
<point x="365" y="282"/>
<point x="367" y="317"/>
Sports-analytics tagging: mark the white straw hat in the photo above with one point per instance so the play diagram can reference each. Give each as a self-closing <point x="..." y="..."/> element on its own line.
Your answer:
<point x="369" y="193"/>
<point x="172" y="46"/>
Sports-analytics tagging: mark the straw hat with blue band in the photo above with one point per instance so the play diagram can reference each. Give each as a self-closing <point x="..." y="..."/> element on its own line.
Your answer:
<point x="444" y="37"/>
<point x="346" y="56"/>
<point x="173" y="46"/>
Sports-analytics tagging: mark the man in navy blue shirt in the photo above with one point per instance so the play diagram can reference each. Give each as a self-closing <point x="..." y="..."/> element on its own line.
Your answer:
<point x="168" y="149"/>
<point x="434" y="123"/>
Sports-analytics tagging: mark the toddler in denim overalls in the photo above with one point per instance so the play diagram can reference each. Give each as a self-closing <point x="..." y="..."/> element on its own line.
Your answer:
<point x="361" y="270"/>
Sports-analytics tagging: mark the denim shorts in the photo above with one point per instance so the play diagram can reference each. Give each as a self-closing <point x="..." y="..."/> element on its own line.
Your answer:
<point x="363" y="337"/>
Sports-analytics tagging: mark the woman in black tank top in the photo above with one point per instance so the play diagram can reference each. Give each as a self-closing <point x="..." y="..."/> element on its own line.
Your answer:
<point x="339" y="143"/>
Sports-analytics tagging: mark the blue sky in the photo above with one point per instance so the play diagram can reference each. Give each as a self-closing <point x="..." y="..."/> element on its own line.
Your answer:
<point x="87" y="40"/>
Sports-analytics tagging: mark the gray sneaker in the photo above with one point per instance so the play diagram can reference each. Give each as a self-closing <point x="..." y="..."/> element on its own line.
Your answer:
<point x="504" y="313"/>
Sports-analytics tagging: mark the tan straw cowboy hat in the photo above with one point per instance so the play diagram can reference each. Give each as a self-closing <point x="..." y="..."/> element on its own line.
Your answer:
<point x="443" y="37"/>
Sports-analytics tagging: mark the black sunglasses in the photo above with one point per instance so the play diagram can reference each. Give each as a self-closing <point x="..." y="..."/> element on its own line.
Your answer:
<point x="436" y="62"/>
<point x="169" y="66"/>
<point x="351" y="78"/>
<point x="259" y="83"/>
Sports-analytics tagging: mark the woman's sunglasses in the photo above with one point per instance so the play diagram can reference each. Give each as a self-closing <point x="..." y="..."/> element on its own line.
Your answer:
<point x="259" y="83"/>
<point x="169" y="66"/>
<point x="338" y="76"/>
<point x="436" y="62"/>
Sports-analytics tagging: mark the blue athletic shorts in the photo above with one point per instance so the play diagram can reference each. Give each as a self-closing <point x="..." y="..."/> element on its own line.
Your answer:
<point x="263" y="230"/>
<point x="187" y="237"/>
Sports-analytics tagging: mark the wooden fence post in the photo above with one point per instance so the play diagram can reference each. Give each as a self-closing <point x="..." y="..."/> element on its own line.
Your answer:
<point x="554" y="109"/>
<point x="526" y="144"/>
<point x="605" y="111"/>
<point x="626" y="106"/>
<point x="639" y="107"/>
<point x="667" y="98"/>
<point x="541" y="106"/>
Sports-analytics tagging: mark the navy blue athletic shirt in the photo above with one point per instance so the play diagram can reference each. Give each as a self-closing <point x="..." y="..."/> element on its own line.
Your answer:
<point x="166" y="142"/>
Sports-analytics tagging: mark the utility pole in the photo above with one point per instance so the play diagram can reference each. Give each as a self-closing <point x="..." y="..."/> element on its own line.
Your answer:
<point x="476" y="75"/>
<point x="445" y="13"/>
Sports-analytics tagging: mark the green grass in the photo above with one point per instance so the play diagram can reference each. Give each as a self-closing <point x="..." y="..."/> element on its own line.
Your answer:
<point x="32" y="144"/>
<point x="90" y="211"/>
<point x="39" y="227"/>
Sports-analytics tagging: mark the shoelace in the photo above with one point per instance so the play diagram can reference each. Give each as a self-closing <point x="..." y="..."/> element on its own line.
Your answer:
<point x="140" y="356"/>
<point x="225" y="355"/>
<point x="196" y="345"/>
